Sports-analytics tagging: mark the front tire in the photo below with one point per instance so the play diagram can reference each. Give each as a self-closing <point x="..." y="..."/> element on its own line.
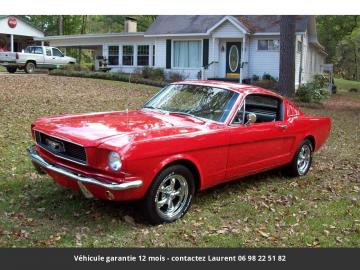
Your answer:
<point x="170" y="195"/>
<point x="30" y="67"/>
<point x="11" y="69"/>
<point x="302" y="160"/>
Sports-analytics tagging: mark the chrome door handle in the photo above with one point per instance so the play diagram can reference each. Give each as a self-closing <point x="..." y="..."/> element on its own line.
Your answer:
<point x="282" y="126"/>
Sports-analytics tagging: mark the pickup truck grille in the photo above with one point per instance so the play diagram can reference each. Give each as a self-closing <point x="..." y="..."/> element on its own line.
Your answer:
<point x="61" y="148"/>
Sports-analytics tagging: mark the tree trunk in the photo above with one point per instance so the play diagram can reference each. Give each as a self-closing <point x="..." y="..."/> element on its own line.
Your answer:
<point x="60" y="25"/>
<point x="82" y="31"/>
<point x="287" y="56"/>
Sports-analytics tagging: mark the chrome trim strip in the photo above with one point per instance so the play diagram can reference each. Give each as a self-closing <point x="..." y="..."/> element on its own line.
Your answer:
<point x="35" y="157"/>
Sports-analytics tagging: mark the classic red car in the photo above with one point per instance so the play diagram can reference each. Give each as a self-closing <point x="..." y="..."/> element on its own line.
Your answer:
<point x="190" y="136"/>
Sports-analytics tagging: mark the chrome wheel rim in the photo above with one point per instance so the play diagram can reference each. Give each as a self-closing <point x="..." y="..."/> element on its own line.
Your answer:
<point x="171" y="196"/>
<point x="31" y="68"/>
<point x="304" y="158"/>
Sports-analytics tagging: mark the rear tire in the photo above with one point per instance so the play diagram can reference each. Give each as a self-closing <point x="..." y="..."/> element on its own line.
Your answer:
<point x="30" y="67"/>
<point x="170" y="195"/>
<point x="11" y="69"/>
<point x="302" y="160"/>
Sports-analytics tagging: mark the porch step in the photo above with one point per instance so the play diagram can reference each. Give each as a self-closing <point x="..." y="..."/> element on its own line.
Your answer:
<point x="235" y="80"/>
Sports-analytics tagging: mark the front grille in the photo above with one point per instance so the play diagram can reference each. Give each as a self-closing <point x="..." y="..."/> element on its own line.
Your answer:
<point x="61" y="148"/>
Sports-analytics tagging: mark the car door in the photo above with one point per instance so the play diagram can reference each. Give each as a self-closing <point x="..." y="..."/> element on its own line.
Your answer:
<point x="48" y="58"/>
<point x="262" y="145"/>
<point x="58" y="57"/>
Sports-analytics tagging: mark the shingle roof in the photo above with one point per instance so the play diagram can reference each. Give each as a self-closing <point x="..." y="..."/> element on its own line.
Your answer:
<point x="187" y="24"/>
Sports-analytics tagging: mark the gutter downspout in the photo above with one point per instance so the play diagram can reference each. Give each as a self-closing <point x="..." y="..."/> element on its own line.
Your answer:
<point x="301" y="58"/>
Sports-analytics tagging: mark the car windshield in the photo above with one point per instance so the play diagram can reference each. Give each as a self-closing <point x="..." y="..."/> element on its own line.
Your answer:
<point x="195" y="100"/>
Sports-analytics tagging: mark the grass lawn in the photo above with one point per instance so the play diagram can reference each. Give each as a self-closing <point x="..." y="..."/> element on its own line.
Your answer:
<point x="346" y="84"/>
<point x="269" y="209"/>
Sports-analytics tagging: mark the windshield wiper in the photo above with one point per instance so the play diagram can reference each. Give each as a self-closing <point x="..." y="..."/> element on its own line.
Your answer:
<point x="188" y="114"/>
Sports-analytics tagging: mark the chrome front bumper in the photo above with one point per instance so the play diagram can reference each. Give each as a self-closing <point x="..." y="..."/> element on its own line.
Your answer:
<point x="35" y="157"/>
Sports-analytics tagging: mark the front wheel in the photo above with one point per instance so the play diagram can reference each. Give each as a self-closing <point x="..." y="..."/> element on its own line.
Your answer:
<point x="30" y="67"/>
<point x="11" y="69"/>
<point x="170" y="195"/>
<point x="302" y="160"/>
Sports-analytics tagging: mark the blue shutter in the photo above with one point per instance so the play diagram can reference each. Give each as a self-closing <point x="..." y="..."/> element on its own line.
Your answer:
<point x="168" y="53"/>
<point x="205" y="52"/>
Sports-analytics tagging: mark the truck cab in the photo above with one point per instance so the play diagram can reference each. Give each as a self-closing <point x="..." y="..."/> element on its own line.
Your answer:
<point x="33" y="57"/>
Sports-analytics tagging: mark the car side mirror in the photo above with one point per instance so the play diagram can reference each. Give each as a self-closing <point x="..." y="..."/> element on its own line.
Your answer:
<point x="250" y="118"/>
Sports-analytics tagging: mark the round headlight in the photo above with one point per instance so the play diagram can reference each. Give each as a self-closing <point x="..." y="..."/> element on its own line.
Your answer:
<point x="114" y="161"/>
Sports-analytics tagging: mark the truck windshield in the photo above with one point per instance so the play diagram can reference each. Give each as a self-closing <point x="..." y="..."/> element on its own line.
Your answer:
<point x="198" y="100"/>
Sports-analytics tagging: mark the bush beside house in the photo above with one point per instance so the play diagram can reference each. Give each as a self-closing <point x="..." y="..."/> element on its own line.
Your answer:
<point x="267" y="82"/>
<point x="314" y="91"/>
<point x="115" y="76"/>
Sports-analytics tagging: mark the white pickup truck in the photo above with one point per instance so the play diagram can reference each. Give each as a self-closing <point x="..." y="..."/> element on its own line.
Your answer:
<point x="35" y="57"/>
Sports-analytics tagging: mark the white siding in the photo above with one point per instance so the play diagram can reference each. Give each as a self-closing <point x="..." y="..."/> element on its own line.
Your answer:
<point x="160" y="53"/>
<point x="227" y="30"/>
<point x="261" y="62"/>
<point x="313" y="62"/>
<point x="297" y="60"/>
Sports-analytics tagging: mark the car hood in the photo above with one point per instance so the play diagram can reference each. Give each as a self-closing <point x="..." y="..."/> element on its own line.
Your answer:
<point x="96" y="128"/>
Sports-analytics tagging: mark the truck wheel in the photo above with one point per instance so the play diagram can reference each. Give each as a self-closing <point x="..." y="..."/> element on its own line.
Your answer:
<point x="302" y="160"/>
<point x="30" y="67"/>
<point x="11" y="69"/>
<point x="170" y="195"/>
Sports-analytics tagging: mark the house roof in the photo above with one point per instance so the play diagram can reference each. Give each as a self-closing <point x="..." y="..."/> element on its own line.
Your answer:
<point x="200" y="24"/>
<point x="86" y="36"/>
<point x="23" y="20"/>
<point x="182" y="24"/>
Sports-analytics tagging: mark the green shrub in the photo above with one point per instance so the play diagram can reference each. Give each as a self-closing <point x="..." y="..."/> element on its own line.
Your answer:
<point x="268" y="77"/>
<point x="314" y="91"/>
<point x="267" y="84"/>
<point x="176" y="76"/>
<point x="311" y="92"/>
<point x="77" y="67"/>
<point x="320" y="80"/>
<point x="115" y="76"/>
<point x="255" y="78"/>
<point x="152" y="73"/>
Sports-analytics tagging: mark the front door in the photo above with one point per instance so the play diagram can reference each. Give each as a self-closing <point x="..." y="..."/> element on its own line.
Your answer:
<point x="233" y="59"/>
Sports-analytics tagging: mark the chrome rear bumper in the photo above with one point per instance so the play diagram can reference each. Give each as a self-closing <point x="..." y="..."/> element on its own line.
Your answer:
<point x="35" y="157"/>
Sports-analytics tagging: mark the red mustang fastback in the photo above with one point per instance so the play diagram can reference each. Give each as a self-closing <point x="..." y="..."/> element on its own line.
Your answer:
<point x="190" y="136"/>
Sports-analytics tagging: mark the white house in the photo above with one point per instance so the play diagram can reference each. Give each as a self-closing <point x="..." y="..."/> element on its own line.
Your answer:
<point x="16" y="33"/>
<point x="207" y="47"/>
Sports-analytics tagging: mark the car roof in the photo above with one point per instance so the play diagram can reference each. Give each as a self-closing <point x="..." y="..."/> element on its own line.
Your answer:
<point x="236" y="87"/>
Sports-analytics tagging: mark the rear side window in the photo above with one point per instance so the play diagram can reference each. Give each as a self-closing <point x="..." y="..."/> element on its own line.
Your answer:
<point x="48" y="52"/>
<point x="38" y="50"/>
<point x="266" y="108"/>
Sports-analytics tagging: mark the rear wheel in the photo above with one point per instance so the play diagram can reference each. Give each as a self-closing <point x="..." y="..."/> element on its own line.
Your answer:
<point x="11" y="69"/>
<point x="302" y="160"/>
<point x="30" y="67"/>
<point x="170" y="195"/>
